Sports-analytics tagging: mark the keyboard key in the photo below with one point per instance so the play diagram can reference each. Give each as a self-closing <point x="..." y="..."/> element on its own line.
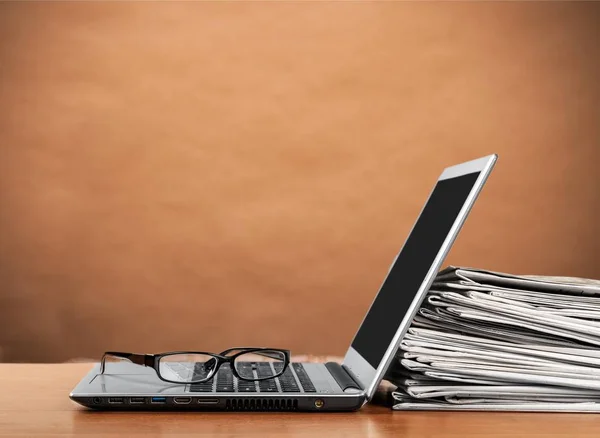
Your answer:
<point x="305" y="381"/>
<point x="290" y="388"/>
<point x="288" y="382"/>
<point x="225" y="388"/>
<point x="202" y="387"/>
<point x="267" y="386"/>
<point x="247" y="389"/>
<point x="269" y="389"/>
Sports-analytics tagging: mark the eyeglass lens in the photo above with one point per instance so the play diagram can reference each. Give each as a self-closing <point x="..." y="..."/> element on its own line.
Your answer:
<point x="186" y="368"/>
<point x="259" y="365"/>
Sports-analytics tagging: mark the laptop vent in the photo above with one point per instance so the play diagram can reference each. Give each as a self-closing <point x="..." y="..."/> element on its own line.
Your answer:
<point x="257" y="404"/>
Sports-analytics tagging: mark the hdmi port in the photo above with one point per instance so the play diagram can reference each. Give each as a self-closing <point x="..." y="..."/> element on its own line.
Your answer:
<point x="182" y="400"/>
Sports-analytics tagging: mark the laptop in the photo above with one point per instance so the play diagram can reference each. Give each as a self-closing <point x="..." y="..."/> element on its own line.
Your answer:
<point x="317" y="386"/>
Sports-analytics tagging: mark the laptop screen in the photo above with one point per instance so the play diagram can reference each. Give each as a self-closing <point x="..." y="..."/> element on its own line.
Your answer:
<point x="410" y="269"/>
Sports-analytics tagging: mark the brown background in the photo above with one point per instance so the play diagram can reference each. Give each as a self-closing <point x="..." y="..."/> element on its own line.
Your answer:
<point x="204" y="175"/>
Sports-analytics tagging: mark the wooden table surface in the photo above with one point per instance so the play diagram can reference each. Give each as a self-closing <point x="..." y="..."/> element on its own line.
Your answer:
<point x="34" y="402"/>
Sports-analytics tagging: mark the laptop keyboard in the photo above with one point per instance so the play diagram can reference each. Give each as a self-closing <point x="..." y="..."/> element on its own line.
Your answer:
<point x="224" y="381"/>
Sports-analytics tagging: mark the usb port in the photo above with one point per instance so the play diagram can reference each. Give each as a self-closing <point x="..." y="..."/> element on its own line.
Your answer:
<point x="159" y="400"/>
<point x="182" y="400"/>
<point x="115" y="400"/>
<point x="137" y="400"/>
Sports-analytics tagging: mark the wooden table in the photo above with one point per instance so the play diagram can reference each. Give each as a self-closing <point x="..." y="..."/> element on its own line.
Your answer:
<point x="34" y="402"/>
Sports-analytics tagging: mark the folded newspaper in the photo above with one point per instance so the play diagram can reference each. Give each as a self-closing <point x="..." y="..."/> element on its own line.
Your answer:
<point x="491" y="341"/>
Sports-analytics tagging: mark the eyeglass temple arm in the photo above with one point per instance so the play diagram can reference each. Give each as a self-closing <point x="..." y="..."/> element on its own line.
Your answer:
<point x="146" y="360"/>
<point x="266" y="353"/>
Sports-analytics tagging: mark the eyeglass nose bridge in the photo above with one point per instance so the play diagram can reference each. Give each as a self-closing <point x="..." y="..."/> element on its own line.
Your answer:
<point x="211" y="365"/>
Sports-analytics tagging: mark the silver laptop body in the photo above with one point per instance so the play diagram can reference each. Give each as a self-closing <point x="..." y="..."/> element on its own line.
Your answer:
<point x="311" y="386"/>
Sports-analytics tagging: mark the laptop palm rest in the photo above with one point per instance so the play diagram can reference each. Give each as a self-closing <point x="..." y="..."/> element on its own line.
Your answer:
<point x="126" y="378"/>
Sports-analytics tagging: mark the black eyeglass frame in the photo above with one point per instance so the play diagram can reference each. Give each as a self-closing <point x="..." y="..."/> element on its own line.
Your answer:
<point x="153" y="361"/>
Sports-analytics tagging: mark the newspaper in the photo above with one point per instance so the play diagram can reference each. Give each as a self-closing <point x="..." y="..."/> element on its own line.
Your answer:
<point x="492" y="341"/>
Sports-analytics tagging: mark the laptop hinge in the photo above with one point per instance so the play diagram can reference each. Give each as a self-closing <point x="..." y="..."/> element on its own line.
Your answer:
<point x="351" y="374"/>
<point x="342" y="376"/>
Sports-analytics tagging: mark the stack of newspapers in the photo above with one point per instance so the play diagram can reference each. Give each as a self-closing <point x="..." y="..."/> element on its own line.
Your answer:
<point x="491" y="341"/>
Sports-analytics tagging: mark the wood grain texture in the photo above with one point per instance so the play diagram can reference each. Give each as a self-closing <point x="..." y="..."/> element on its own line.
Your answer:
<point x="34" y="403"/>
<point x="241" y="173"/>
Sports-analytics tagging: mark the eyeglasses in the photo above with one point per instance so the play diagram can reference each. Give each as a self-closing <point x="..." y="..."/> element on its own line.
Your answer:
<point x="188" y="367"/>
